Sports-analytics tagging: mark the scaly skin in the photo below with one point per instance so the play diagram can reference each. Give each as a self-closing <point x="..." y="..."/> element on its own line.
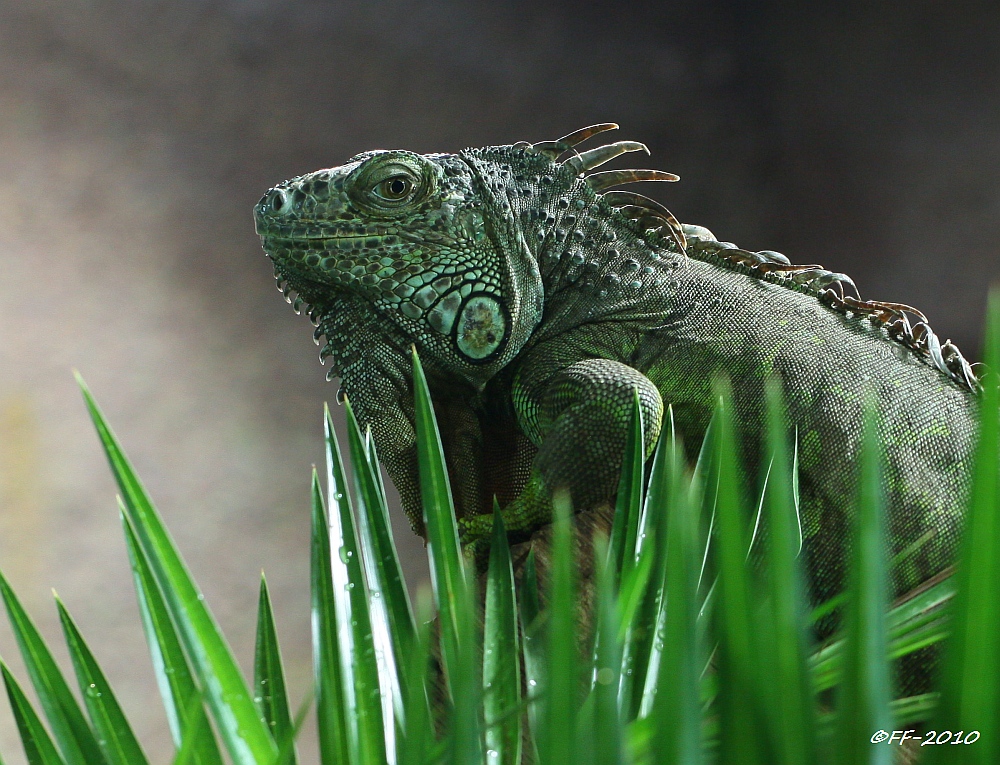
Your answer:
<point x="540" y="306"/>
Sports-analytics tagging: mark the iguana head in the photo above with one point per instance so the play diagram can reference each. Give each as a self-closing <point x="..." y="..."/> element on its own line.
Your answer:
<point x="446" y="245"/>
<point x="421" y="239"/>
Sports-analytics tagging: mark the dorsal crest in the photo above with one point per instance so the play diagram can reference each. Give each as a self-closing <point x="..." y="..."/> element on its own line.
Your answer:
<point x="659" y="227"/>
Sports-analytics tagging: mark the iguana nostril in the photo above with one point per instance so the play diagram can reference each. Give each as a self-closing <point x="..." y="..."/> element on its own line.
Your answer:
<point x="277" y="201"/>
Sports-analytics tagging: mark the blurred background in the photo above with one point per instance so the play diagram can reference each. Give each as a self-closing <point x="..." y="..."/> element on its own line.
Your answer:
<point x="136" y="135"/>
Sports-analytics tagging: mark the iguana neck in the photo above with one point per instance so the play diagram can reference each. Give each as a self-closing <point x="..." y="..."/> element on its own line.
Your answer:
<point x="592" y="259"/>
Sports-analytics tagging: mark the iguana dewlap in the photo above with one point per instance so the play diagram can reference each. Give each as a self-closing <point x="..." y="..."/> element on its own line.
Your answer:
<point x="540" y="302"/>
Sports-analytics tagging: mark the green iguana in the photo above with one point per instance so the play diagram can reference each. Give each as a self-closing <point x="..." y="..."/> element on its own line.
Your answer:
<point x="540" y="303"/>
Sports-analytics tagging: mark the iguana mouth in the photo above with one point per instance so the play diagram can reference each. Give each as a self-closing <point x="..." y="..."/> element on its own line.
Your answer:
<point x="306" y="231"/>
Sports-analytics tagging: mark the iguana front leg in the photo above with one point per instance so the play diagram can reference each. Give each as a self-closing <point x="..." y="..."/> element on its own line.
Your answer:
<point x="578" y="416"/>
<point x="380" y="394"/>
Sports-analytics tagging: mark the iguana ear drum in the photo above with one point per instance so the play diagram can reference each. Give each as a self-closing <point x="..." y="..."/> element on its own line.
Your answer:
<point x="481" y="328"/>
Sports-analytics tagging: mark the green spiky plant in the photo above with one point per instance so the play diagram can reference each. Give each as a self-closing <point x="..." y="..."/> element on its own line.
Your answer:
<point x="697" y="656"/>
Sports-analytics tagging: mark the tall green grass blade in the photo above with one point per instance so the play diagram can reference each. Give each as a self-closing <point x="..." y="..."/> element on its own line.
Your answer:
<point x="739" y="688"/>
<point x="912" y="709"/>
<point x="671" y="696"/>
<point x="466" y="732"/>
<point x="452" y="586"/>
<point x="198" y="730"/>
<point x="637" y="568"/>
<point x="447" y="572"/>
<point x="628" y="502"/>
<point x="639" y="741"/>
<point x="790" y="706"/>
<point x="827" y="607"/>
<point x="73" y="735"/>
<point x="373" y="460"/>
<point x="705" y="486"/>
<point x="863" y="701"/>
<point x="921" y="620"/>
<point x="286" y="746"/>
<point x="182" y="700"/>
<point x="391" y="614"/>
<point x="245" y="735"/>
<point x="328" y="677"/>
<point x="831" y="605"/>
<point x="638" y="643"/>
<point x="608" y="730"/>
<point x="269" y="676"/>
<point x="633" y="595"/>
<point x="561" y="695"/>
<point x="501" y="655"/>
<point x="369" y="724"/>
<point x="920" y="637"/>
<point x="920" y="607"/>
<point x="905" y="712"/>
<point x="971" y="678"/>
<point x="38" y="746"/>
<point x="796" y="503"/>
<point x="533" y="630"/>
<point x="417" y="739"/>
<point x="114" y="734"/>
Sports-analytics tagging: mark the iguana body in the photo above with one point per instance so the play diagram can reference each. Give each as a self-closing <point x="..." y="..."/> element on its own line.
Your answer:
<point x="539" y="306"/>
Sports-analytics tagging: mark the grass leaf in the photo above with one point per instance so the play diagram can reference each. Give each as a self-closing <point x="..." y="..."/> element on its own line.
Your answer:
<point x="863" y="701"/>
<point x="640" y="601"/>
<point x="417" y="739"/>
<point x="391" y="614"/>
<point x="328" y="677"/>
<point x="533" y="630"/>
<point x="452" y="585"/>
<point x="671" y="696"/>
<point x="447" y="571"/>
<point x="791" y="706"/>
<point x="182" y="700"/>
<point x="269" y="677"/>
<point x="739" y="688"/>
<point x="628" y="501"/>
<point x="558" y="742"/>
<point x="466" y="742"/>
<point x="971" y="678"/>
<point x="38" y="746"/>
<point x="245" y="735"/>
<point x="198" y="731"/>
<point x="114" y="734"/>
<point x="915" y="623"/>
<point x="69" y="726"/>
<point x="608" y="732"/>
<point x="362" y="690"/>
<point x="501" y="652"/>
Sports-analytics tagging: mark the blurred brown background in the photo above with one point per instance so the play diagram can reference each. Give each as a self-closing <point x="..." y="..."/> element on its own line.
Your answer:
<point x="136" y="135"/>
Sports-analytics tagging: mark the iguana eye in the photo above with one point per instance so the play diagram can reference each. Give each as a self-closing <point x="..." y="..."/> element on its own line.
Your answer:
<point x="390" y="183"/>
<point x="395" y="188"/>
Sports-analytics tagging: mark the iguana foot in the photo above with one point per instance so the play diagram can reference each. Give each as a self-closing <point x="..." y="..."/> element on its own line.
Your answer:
<point x="532" y="509"/>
